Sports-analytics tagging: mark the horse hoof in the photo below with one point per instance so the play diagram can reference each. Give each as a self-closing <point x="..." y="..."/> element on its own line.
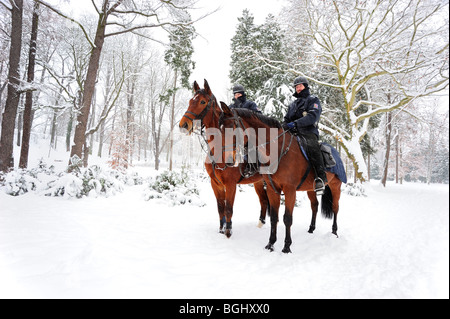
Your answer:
<point x="270" y="247"/>
<point x="311" y="230"/>
<point x="335" y="233"/>
<point x="228" y="233"/>
<point x="260" y="224"/>
<point x="286" y="250"/>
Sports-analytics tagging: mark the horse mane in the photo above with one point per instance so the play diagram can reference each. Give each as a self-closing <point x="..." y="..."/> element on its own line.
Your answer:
<point x="269" y="121"/>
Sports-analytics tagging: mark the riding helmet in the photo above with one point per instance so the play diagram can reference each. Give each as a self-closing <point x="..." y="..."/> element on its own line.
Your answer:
<point x="301" y="80"/>
<point x="238" y="89"/>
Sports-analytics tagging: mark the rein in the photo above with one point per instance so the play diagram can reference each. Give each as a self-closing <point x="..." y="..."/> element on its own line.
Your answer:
<point x="284" y="150"/>
<point x="208" y="151"/>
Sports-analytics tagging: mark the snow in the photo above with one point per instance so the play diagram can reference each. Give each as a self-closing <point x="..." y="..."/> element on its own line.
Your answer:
<point x="393" y="243"/>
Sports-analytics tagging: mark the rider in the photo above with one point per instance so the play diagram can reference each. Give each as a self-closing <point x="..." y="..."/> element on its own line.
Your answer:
<point x="303" y="118"/>
<point x="240" y="99"/>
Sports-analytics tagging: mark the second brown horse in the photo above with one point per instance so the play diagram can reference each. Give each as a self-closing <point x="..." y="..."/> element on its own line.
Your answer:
<point x="203" y="107"/>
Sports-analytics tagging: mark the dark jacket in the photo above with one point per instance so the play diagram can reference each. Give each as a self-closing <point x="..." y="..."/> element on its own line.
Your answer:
<point x="305" y="112"/>
<point x="242" y="102"/>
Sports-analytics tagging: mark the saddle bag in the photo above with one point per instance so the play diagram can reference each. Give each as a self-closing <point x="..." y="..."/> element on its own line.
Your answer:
<point x="328" y="158"/>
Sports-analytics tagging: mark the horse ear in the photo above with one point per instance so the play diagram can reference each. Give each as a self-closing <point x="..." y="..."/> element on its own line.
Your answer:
<point x="207" y="89"/>
<point x="196" y="86"/>
<point x="225" y="109"/>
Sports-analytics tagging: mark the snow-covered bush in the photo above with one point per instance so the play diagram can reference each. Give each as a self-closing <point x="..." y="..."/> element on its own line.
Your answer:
<point x="91" y="181"/>
<point x="174" y="189"/>
<point x="21" y="181"/>
<point x="354" y="189"/>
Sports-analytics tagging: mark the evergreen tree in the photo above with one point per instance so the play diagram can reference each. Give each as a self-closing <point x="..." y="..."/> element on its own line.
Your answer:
<point x="180" y="50"/>
<point x="268" y="87"/>
<point x="179" y="57"/>
<point x="275" y="92"/>
<point x="242" y="45"/>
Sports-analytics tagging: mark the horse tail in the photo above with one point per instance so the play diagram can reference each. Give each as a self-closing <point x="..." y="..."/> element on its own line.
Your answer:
<point x="327" y="203"/>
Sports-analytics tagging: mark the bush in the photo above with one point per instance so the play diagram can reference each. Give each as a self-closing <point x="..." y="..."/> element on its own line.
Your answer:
<point x="354" y="189"/>
<point x="175" y="189"/>
<point x="91" y="181"/>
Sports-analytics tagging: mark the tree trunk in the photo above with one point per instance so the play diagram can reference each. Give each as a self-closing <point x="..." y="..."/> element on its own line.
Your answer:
<point x="129" y="129"/>
<point x="27" y="119"/>
<point x="172" y="115"/>
<point x="12" y="100"/>
<point x="388" y="148"/>
<point x="89" y="88"/>
<point x="397" y="158"/>
<point x="69" y="131"/>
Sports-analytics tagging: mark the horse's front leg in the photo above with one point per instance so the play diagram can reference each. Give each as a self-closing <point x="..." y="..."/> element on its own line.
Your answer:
<point x="230" y="195"/>
<point x="290" y="196"/>
<point x="274" y="200"/>
<point x="260" y="189"/>
<point x="219" y="192"/>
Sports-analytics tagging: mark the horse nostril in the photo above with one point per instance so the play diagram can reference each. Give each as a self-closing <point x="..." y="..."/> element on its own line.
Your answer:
<point x="184" y="128"/>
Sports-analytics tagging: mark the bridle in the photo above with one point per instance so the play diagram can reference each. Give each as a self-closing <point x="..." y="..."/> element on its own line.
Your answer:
<point x="203" y="113"/>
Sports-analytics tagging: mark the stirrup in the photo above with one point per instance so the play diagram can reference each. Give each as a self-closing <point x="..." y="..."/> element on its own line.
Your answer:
<point x="321" y="189"/>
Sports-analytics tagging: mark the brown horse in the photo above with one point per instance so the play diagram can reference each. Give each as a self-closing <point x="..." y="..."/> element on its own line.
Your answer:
<point x="203" y="107"/>
<point x="292" y="171"/>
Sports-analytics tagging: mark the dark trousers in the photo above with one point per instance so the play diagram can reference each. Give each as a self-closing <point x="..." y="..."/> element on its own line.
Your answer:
<point x="314" y="154"/>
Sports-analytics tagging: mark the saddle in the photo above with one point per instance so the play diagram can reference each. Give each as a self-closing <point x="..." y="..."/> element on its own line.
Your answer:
<point x="325" y="148"/>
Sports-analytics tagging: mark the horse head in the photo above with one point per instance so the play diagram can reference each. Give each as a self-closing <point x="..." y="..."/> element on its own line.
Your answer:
<point x="199" y="107"/>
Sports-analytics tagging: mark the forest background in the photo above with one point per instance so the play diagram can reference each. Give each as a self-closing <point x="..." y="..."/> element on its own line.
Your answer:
<point x="115" y="81"/>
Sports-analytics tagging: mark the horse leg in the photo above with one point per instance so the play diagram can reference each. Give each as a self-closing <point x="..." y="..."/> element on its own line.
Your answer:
<point x="229" y="203"/>
<point x="336" y="191"/>
<point x="314" y="208"/>
<point x="274" y="200"/>
<point x="219" y="192"/>
<point x="263" y="200"/>
<point x="290" y="196"/>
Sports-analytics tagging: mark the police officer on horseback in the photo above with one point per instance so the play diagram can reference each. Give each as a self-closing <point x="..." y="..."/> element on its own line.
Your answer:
<point x="302" y="118"/>
<point x="240" y="99"/>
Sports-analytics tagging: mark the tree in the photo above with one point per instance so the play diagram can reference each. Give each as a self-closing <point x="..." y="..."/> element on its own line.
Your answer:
<point x="120" y="16"/>
<point x="27" y="120"/>
<point x="269" y="88"/>
<point x="242" y="45"/>
<point x="275" y="92"/>
<point x="12" y="100"/>
<point x="359" y="47"/>
<point x="179" y="57"/>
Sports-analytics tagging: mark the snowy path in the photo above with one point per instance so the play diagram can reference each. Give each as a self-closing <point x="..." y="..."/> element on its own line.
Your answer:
<point x="393" y="244"/>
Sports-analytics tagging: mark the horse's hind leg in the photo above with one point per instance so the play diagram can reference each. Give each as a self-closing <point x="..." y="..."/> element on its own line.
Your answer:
<point x="314" y="208"/>
<point x="336" y="191"/>
<point x="263" y="200"/>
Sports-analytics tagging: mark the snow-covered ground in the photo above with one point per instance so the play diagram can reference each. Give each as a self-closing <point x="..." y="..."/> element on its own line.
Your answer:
<point x="393" y="243"/>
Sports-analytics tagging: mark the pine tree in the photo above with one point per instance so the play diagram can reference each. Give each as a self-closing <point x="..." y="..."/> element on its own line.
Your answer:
<point x="275" y="93"/>
<point x="242" y="45"/>
<point x="268" y="87"/>
<point x="179" y="57"/>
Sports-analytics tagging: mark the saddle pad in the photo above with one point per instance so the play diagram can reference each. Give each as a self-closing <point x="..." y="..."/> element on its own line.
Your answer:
<point x="339" y="169"/>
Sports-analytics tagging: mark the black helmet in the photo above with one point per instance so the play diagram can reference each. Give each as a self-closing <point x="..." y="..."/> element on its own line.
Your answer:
<point x="301" y="80"/>
<point x="237" y="88"/>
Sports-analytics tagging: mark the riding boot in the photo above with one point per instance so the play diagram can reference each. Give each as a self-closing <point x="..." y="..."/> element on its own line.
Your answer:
<point x="316" y="160"/>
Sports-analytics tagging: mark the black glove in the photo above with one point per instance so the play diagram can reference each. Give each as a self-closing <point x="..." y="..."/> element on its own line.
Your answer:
<point x="291" y="127"/>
